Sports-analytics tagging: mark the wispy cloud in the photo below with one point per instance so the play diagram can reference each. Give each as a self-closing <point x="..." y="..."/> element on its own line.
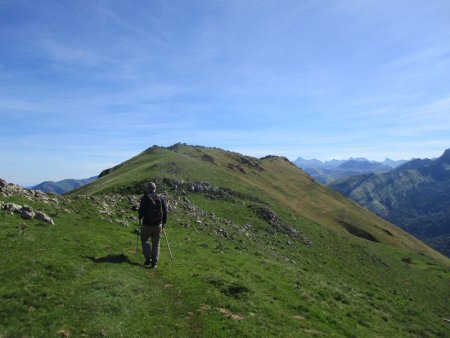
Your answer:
<point x="108" y="79"/>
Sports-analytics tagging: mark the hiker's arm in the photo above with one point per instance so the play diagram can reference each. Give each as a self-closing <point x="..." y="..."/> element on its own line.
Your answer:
<point x="141" y="209"/>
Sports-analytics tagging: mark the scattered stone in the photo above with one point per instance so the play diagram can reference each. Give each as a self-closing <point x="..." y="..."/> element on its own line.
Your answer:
<point x="9" y="189"/>
<point x="63" y="333"/>
<point x="26" y="212"/>
<point x="313" y="332"/>
<point x="222" y="232"/>
<point x="26" y="208"/>
<point x="12" y="207"/>
<point x="204" y="308"/>
<point x="266" y="214"/>
<point x="124" y="223"/>
<point x="298" y="317"/>
<point x="43" y="217"/>
<point x="229" y="314"/>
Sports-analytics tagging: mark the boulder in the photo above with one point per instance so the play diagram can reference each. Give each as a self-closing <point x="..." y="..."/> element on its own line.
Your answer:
<point x="43" y="217"/>
<point x="12" y="207"/>
<point x="26" y="208"/>
<point x="26" y="212"/>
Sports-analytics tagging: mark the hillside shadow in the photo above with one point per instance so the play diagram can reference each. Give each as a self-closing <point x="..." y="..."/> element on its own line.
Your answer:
<point x="115" y="259"/>
<point x="351" y="229"/>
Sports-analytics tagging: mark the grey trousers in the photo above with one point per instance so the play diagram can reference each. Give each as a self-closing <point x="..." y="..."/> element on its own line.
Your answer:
<point x="153" y="234"/>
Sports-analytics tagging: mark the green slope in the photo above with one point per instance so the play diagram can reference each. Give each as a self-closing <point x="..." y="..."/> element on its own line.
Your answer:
<point x="413" y="196"/>
<point x="238" y="269"/>
<point x="274" y="180"/>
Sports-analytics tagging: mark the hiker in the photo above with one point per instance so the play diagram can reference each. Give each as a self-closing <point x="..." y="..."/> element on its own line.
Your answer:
<point x="152" y="218"/>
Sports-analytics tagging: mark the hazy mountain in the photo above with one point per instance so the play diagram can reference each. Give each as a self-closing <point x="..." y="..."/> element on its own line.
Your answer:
<point x="393" y="163"/>
<point x="415" y="164"/>
<point x="363" y="166"/>
<point x="303" y="163"/>
<point x="63" y="186"/>
<point x="329" y="171"/>
<point x="415" y="196"/>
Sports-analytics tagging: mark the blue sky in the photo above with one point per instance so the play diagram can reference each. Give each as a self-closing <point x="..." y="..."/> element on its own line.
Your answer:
<point x="85" y="85"/>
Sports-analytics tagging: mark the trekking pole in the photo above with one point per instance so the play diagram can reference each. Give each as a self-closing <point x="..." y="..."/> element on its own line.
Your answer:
<point x="167" y="241"/>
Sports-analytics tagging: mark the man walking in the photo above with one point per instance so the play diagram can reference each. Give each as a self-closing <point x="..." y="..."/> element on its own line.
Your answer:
<point x="153" y="218"/>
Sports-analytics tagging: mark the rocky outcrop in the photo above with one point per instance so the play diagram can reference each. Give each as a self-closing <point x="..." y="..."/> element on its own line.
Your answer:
<point x="105" y="172"/>
<point x="26" y="212"/>
<point x="10" y="189"/>
<point x="43" y="217"/>
<point x="268" y="215"/>
<point x="180" y="187"/>
<point x="11" y="207"/>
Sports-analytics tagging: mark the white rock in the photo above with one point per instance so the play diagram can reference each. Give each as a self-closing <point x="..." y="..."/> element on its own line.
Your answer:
<point x="43" y="217"/>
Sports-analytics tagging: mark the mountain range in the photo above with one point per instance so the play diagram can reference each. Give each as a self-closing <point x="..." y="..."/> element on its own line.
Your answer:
<point x="414" y="196"/>
<point x="61" y="187"/>
<point x="329" y="171"/>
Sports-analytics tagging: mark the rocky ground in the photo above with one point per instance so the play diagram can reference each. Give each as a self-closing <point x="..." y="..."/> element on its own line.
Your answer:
<point x="25" y="211"/>
<point x="122" y="209"/>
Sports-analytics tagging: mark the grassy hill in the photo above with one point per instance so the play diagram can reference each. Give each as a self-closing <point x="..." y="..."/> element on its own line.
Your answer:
<point x="259" y="248"/>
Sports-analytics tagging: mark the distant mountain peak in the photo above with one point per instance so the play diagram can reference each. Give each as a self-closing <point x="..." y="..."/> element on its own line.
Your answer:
<point x="446" y="155"/>
<point x="359" y="159"/>
<point x="63" y="186"/>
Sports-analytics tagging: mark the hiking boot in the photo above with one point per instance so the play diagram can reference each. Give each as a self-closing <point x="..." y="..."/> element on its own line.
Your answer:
<point x="148" y="262"/>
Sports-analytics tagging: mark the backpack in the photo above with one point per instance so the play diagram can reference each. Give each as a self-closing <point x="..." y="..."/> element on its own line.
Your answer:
<point x="153" y="211"/>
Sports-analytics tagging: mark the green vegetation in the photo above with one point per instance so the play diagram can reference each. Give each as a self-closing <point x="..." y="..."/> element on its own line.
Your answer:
<point x="261" y="251"/>
<point x="414" y="196"/>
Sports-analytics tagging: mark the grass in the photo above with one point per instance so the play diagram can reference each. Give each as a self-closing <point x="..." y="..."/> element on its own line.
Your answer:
<point x="82" y="277"/>
<point x="233" y="273"/>
<point x="273" y="180"/>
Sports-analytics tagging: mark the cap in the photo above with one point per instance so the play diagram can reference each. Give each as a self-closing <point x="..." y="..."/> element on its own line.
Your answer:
<point x="151" y="186"/>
